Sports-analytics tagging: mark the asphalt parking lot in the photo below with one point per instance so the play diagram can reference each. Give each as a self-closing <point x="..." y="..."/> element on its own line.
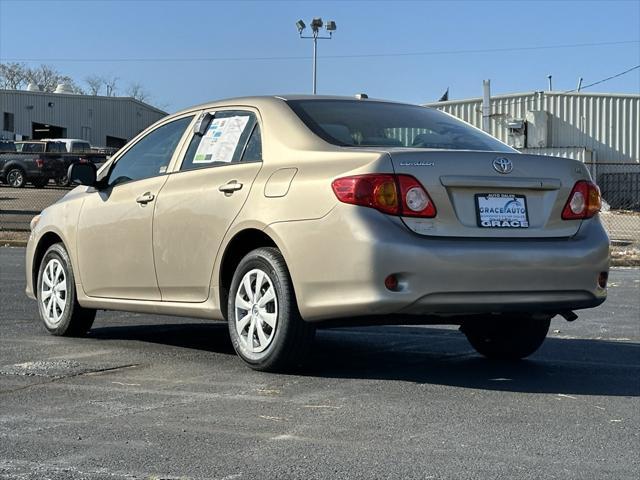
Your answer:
<point x="162" y="397"/>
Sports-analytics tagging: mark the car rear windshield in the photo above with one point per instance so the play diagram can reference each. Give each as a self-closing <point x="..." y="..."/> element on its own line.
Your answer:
<point x="363" y="123"/>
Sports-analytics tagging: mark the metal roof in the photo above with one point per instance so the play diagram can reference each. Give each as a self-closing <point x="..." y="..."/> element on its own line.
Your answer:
<point x="81" y="96"/>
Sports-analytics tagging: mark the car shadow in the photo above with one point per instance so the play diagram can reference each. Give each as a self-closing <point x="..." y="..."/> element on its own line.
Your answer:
<point x="430" y="356"/>
<point x="444" y="357"/>
<point x="211" y="337"/>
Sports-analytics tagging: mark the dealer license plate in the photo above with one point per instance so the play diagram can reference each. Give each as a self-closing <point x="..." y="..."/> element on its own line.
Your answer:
<point x="501" y="210"/>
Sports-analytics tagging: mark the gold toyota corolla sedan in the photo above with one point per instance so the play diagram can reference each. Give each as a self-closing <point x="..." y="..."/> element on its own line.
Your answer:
<point x="283" y="214"/>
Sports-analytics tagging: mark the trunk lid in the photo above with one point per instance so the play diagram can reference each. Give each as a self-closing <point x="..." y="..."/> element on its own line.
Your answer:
<point x="471" y="195"/>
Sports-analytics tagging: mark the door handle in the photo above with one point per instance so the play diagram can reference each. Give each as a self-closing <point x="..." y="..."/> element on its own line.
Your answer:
<point x="232" y="186"/>
<point x="145" y="198"/>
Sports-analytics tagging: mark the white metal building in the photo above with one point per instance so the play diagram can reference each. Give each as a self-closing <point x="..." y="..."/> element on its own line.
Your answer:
<point x="103" y="121"/>
<point x="592" y="127"/>
<point x="599" y="129"/>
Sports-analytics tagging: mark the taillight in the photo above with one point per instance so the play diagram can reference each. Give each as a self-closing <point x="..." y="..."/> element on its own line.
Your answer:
<point x="377" y="191"/>
<point x="39" y="162"/>
<point x="416" y="202"/>
<point x="584" y="201"/>
<point x="400" y="195"/>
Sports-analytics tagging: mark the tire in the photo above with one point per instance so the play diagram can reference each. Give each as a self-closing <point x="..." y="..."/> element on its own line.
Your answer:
<point x="271" y="336"/>
<point x="63" y="181"/>
<point x="509" y="337"/>
<point x="40" y="182"/>
<point x="60" y="311"/>
<point x="16" y="177"/>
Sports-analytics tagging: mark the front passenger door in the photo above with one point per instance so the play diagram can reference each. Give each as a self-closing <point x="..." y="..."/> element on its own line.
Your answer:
<point x="115" y="243"/>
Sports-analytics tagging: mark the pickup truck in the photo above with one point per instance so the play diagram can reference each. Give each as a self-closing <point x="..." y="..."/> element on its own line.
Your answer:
<point x="36" y="162"/>
<point x="77" y="151"/>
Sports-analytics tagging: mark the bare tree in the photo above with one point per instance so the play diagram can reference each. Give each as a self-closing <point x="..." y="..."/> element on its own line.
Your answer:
<point x="137" y="91"/>
<point x="13" y="76"/>
<point x="75" y="88"/>
<point x="95" y="84"/>
<point x="45" y="76"/>
<point x="110" y="85"/>
<point x="18" y="75"/>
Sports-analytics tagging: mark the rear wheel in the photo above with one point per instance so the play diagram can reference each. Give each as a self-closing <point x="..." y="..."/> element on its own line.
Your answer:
<point x="63" y="181"/>
<point x="59" y="309"/>
<point x="16" y="177"/>
<point x="508" y="337"/>
<point x="266" y="329"/>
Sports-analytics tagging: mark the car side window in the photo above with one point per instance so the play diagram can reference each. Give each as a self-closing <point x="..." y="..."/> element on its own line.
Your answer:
<point x="56" y="147"/>
<point x="149" y="157"/>
<point x="253" y="150"/>
<point x="223" y="142"/>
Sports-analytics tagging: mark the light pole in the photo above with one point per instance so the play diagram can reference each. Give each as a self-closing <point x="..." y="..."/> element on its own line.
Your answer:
<point x="316" y="26"/>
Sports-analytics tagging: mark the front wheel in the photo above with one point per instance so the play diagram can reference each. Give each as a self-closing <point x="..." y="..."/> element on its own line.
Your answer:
<point x="508" y="337"/>
<point x="266" y="329"/>
<point x="59" y="309"/>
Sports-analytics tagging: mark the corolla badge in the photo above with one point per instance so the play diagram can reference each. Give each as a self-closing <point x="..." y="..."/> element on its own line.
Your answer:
<point x="417" y="164"/>
<point x="502" y="165"/>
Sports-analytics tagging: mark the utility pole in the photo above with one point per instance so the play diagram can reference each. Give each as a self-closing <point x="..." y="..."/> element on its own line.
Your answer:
<point x="486" y="105"/>
<point x="316" y="26"/>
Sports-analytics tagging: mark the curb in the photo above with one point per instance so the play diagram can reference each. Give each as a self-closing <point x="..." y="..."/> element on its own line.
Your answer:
<point x="13" y="243"/>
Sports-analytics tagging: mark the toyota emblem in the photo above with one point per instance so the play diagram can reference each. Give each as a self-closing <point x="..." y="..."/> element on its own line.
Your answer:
<point x="502" y="165"/>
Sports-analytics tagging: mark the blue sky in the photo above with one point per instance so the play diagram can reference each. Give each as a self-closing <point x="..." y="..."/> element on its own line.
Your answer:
<point x="57" y="32"/>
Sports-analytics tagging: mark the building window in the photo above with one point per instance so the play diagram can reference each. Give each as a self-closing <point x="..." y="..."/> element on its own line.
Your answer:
<point x="7" y="122"/>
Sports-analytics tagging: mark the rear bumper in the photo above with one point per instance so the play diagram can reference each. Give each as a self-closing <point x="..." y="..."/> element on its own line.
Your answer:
<point x="339" y="263"/>
<point x="489" y="302"/>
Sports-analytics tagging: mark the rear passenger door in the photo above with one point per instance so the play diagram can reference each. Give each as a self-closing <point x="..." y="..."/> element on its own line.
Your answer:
<point x="201" y="199"/>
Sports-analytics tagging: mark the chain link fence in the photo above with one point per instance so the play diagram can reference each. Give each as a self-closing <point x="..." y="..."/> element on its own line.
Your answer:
<point x="19" y="205"/>
<point x="619" y="183"/>
<point x="620" y="187"/>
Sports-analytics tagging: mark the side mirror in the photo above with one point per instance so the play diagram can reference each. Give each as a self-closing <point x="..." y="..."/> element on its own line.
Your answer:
<point x="82" y="174"/>
<point x="202" y="124"/>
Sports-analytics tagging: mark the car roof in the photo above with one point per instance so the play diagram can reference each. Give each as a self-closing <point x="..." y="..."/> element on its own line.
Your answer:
<point x="276" y="99"/>
<point x="64" y="140"/>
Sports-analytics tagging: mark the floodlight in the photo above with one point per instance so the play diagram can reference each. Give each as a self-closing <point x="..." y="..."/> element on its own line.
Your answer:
<point x="316" y="24"/>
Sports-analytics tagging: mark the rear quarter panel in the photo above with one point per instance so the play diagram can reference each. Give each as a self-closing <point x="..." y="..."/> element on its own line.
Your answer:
<point x="289" y="145"/>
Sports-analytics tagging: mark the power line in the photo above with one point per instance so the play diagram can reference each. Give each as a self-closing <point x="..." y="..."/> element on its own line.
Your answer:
<point x="368" y="55"/>
<point x="606" y="79"/>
